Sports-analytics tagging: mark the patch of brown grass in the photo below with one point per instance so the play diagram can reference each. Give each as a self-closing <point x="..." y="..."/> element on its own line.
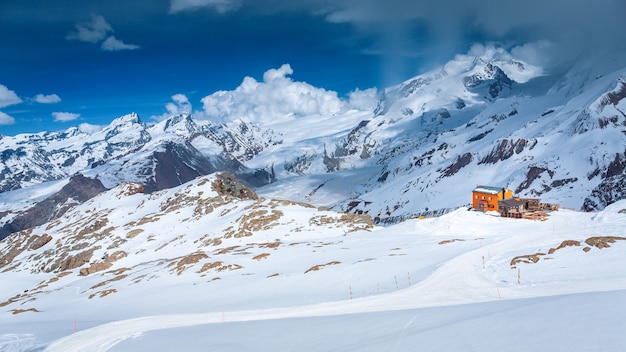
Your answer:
<point x="219" y="266"/>
<point x="103" y="293"/>
<point x="527" y="259"/>
<point x="20" y="311"/>
<point x="320" y="266"/>
<point x="566" y="243"/>
<point x="450" y="241"/>
<point x="134" y="233"/>
<point x="261" y="256"/>
<point x="104" y="283"/>
<point x="603" y="241"/>
<point x="187" y="261"/>
<point x="273" y="245"/>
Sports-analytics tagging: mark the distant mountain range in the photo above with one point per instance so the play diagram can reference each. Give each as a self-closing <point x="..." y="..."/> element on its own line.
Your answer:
<point x="98" y="227"/>
<point x="491" y="120"/>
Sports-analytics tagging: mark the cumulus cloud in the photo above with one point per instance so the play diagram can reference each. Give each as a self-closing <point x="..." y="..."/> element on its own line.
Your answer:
<point x="8" y="97"/>
<point x="65" y="116"/>
<point x="114" y="44"/>
<point x="221" y="6"/>
<point x="275" y="99"/>
<point x="363" y="100"/>
<point x="89" y="128"/>
<point x="179" y="104"/>
<point x="47" y="99"/>
<point x="92" y="32"/>
<point x="6" y="119"/>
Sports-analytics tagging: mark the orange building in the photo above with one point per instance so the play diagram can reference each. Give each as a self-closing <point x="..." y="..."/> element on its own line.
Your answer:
<point x="485" y="198"/>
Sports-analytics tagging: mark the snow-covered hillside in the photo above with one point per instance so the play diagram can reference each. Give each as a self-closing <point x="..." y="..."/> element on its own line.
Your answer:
<point x="211" y="258"/>
<point x="295" y="226"/>
<point x="483" y="118"/>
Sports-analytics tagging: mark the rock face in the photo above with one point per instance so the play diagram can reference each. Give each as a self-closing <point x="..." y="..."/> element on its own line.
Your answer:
<point x="607" y="192"/>
<point x="77" y="191"/>
<point x="227" y="184"/>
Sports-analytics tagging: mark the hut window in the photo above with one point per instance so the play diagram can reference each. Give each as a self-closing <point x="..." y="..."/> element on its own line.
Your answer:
<point x="483" y="197"/>
<point x="489" y="198"/>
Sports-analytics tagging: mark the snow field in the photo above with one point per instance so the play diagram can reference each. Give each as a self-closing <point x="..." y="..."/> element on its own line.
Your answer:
<point x="463" y="292"/>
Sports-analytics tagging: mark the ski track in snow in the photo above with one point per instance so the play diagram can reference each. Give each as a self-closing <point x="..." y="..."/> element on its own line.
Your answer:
<point x="464" y="279"/>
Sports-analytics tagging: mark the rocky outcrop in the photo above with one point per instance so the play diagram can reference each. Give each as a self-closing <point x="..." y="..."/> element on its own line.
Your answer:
<point x="507" y="148"/>
<point x="227" y="184"/>
<point x="607" y="192"/>
<point x="460" y="162"/>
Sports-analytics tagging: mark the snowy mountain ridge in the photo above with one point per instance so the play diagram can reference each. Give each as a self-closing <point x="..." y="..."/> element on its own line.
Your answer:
<point x="191" y="234"/>
<point x="486" y="118"/>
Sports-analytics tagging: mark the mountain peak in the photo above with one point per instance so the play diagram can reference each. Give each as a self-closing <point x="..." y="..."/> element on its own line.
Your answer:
<point x="132" y="118"/>
<point x="181" y="124"/>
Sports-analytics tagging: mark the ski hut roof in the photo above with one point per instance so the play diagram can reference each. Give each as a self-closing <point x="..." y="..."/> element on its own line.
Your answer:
<point x="488" y="189"/>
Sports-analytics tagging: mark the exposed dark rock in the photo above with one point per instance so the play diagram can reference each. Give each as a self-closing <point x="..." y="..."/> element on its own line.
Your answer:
<point x="616" y="96"/>
<point x="617" y="166"/>
<point x="77" y="191"/>
<point x="609" y="191"/>
<point x="492" y="75"/>
<point x="480" y="136"/>
<point x="534" y="172"/>
<point x="563" y="182"/>
<point x="506" y="148"/>
<point x="300" y="164"/>
<point x="460" y="162"/>
<point x="181" y="162"/>
<point x="227" y="184"/>
<point x="332" y="163"/>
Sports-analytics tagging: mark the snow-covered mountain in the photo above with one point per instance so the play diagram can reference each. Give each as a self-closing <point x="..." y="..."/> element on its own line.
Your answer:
<point x="108" y="235"/>
<point x="491" y="119"/>
<point x="488" y="119"/>
<point x="130" y="150"/>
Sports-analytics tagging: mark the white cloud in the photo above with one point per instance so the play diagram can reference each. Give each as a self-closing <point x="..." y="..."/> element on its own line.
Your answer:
<point x="47" y="99"/>
<point x="180" y="104"/>
<point x="8" y="97"/>
<point x="6" y="119"/>
<point x="65" y="116"/>
<point x="89" y="128"/>
<point x="275" y="99"/>
<point x="92" y="32"/>
<point x="363" y="100"/>
<point x="114" y="44"/>
<point x="221" y="6"/>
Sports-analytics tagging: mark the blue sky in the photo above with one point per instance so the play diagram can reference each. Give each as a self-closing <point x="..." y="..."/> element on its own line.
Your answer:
<point x="65" y="62"/>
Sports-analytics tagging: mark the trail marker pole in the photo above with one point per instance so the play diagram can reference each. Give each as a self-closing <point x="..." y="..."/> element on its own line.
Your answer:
<point x="483" y="261"/>
<point x="395" y="278"/>
<point x="350" y="292"/>
<point x="499" y="296"/>
<point x="518" y="276"/>
<point x="409" y="275"/>
<point x="75" y="326"/>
